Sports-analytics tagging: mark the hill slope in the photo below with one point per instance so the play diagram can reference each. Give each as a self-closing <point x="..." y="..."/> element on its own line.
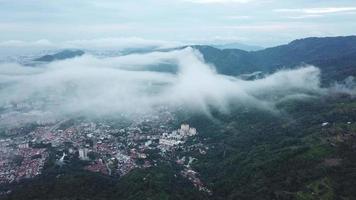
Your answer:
<point x="336" y="56"/>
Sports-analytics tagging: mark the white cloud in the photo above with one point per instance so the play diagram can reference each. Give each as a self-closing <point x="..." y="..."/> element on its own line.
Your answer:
<point x="271" y="27"/>
<point x="218" y="1"/>
<point x="238" y="17"/>
<point x="305" y="16"/>
<point x="217" y="40"/>
<point x="24" y="44"/>
<point x="88" y="86"/>
<point x="19" y="47"/>
<point x="326" y="10"/>
<point x="347" y="86"/>
<point x="160" y="19"/>
<point x="120" y="43"/>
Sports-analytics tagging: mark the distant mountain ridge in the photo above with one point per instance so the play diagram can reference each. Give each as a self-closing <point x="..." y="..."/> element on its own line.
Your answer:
<point x="62" y="55"/>
<point x="335" y="56"/>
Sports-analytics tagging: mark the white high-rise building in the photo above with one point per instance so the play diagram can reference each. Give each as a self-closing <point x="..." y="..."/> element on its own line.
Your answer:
<point x="83" y="154"/>
<point x="192" y="131"/>
<point x="24" y="145"/>
<point x="184" y="127"/>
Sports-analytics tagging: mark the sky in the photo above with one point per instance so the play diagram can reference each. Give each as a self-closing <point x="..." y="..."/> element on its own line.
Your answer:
<point x="255" y="22"/>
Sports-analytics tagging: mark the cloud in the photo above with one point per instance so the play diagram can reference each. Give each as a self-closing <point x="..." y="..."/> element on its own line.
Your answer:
<point x="305" y="16"/>
<point x="306" y="13"/>
<point x="218" y="1"/>
<point x="315" y="11"/>
<point x="24" y="44"/>
<point x="91" y="86"/>
<point x="272" y="27"/>
<point x="179" y="19"/>
<point x="347" y="86"/>
<point x="238" y="17"/>
<point x="217" y="40"/>
<point x="120" y="43"/>
<point x="18" y="47"/>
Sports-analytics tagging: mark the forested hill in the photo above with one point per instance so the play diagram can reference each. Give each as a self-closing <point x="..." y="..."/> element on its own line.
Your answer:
<point x="305" y="151"/>
<point x="336" y="56"/>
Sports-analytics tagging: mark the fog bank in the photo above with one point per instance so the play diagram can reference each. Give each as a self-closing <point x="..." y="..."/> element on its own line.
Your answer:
<point x="88" y="85"/>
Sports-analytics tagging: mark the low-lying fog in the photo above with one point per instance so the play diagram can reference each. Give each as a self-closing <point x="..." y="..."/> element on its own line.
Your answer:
<point x="88" y="86"/>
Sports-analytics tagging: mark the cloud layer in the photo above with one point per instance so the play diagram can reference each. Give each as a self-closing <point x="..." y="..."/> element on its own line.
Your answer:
<point x="88" y="86"/>
<point x="218" y="1"/>
<point x="19" y="47"/>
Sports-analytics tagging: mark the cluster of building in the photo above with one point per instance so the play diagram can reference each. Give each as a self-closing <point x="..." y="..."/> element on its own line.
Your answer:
<point x="19" y="161"/>
<point x="104" y="146"/>
<point x="176" y="137"/>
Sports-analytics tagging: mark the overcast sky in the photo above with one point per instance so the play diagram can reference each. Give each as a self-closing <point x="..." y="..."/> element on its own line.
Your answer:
<point x="258" y="22"/>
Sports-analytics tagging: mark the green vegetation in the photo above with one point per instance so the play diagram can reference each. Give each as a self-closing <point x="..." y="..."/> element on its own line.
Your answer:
<point x="71" y="183"/>
<point x="262" y="156"/>
<point x="252" y="155"/>
<point x="320" y="189"/>
<point x="335" y="56"/>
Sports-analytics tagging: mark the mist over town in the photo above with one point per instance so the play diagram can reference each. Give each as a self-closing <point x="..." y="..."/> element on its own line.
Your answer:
<point x="181" y="99"/>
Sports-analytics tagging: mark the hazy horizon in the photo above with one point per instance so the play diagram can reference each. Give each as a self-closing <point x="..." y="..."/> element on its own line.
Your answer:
<point x="254" y="22"/>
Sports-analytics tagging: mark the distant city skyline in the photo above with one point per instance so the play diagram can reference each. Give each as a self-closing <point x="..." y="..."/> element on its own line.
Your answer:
<point x="255" y="22"/>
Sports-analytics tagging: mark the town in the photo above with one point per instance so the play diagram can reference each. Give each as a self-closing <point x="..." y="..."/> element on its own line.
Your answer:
<point x="104" y="147"/>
